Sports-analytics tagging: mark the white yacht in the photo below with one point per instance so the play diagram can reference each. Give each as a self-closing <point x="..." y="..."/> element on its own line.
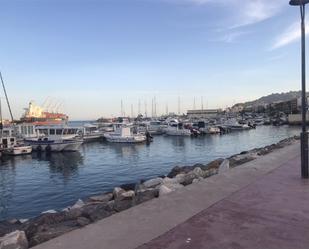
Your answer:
<point x="213" y="130"/>
<point x="153" y="127"/>
<point x="55" y="138"/>
<point x="232" y="124"/>
<point x="91" y="132"/>
<point x="176" y="128"/>
<point x="124" y="133"/>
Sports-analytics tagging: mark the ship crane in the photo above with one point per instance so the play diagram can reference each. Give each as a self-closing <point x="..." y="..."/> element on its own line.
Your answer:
<point x="58" y="106"/>
<point x="53" y="107"/>
<point x="48" y="105"/>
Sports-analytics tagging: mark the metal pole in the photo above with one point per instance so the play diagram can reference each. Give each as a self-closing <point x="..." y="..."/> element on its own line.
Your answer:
<point x="304" y="134"/>
<point x="6" y="97"/>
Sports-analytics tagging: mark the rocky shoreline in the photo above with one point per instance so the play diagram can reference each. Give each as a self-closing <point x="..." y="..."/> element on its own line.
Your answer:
<point x="22" y="234"/>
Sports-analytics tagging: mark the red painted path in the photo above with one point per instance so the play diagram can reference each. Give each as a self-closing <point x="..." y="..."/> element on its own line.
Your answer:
<point x="271" y="213"/>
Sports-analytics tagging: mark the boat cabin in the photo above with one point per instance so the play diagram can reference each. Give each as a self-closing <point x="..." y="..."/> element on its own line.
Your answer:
<point x="7" y="142"/>
<point x="26" y="130"/>
<point x="57" y="131"/>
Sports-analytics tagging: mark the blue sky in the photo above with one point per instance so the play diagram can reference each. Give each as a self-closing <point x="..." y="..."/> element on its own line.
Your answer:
<point x="90" y="54"/>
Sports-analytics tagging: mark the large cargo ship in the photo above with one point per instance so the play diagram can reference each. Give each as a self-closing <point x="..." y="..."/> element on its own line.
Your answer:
<point x="39" y="116"/>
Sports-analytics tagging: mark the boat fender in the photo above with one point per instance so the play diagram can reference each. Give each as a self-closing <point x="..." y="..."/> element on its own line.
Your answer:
<point x="39" y="148"/>
<point x="48" y="148"/>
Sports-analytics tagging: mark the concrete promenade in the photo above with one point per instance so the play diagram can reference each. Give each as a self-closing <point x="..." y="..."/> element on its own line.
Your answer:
<point x="262" y="204"/>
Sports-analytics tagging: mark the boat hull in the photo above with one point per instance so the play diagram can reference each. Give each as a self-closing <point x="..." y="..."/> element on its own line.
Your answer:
<point x="178" y="132"/>
<point x="119" y="139"/>
<point x="55" y="146"/>
<point x="90" y="138"/>
<point x="20" y="150"/>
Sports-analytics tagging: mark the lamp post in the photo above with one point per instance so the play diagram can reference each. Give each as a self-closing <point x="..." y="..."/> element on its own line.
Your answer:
<point x="304" y="134"/>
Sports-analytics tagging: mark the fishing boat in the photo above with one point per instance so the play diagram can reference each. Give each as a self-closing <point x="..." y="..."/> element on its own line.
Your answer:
<point x="124" y="133"/>
<point x="55" y="138"/>
<point x="10" y="146"/>
<point x="152" y="127"/>
<point x="91" y="132"/>
<point x="213" y="130"/>
<point x="176" y="128"/>
<point x="233" y="125"/>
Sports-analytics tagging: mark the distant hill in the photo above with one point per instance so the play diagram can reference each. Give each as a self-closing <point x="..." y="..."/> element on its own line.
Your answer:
<point x="275" y="97"/>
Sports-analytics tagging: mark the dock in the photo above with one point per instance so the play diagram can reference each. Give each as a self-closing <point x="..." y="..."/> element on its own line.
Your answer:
<point x="260" y="204"/>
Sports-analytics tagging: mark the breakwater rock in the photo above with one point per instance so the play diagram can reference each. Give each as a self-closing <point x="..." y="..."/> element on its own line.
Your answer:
<point x="16" y="233"/>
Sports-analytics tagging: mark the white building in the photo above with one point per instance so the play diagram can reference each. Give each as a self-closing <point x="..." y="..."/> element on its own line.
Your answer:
<point x="203" y="114"/>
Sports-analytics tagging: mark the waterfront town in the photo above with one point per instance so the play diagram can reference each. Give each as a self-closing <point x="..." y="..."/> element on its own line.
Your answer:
<point x="42" y="130"/>
<point x="43" y="134"/>
<point x="154" y="124"/>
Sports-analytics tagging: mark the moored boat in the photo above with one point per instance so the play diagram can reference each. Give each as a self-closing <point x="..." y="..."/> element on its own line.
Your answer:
<point x="124" y="134"/>
<point x="55" y="138"/>
<point x="233" y="125"/>
<point x="11" y="147"/>
<point x="91" y="132"/>
<point x="19" y="149"/>
<point x="177" y="129"/>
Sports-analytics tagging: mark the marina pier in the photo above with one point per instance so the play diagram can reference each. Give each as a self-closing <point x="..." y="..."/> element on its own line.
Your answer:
<point x="153" y="124"/>
<point x="250" y="198"/>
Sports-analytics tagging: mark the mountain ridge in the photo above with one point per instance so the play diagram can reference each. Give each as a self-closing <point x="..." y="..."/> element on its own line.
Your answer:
<point x="272" y="98"/>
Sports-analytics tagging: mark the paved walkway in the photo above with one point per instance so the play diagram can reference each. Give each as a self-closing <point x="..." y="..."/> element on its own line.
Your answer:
<point x="262" y="204"/>
<point x="272" y="213"/>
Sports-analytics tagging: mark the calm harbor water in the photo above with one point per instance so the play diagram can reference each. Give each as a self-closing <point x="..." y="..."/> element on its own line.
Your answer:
<point x="32" y="184"/>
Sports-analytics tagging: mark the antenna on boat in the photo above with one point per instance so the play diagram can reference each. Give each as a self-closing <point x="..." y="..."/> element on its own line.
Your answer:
<point x="145" y="108"/>
<point x="6" y="96"/>
<point x="1" y="120"/>
<point x="194" y="106"/>
<point x="132" y="115"/>
<point x="152" y="107"/>
<point x="155" y="106"/>
<point x="122" y="112"/>
<point x="139" y="107"/>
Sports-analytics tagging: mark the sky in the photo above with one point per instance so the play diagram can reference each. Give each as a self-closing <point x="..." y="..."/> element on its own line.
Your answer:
<point x="88" y="55"/>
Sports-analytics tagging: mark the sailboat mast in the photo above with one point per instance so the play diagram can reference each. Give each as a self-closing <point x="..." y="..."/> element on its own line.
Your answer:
<point x="6" y="96"/>
<point x="1" y="120"/>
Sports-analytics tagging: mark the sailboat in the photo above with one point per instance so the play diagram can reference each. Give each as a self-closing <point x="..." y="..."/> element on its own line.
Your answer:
<point x="8" y="143"/>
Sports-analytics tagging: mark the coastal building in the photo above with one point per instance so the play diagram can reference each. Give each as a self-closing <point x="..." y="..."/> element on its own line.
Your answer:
<point x="207" y="113"/>
<point x="296" y="119"/>
<point x="288" y="107"/>
<point x="237" y="108"/>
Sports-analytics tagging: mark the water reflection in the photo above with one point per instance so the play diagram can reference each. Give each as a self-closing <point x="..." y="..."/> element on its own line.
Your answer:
<point x="7" y="187"/>
<point x="92" y="146"/>
<point x="177" y="141"/>
<point x="12" y="161"/>
<point x="34" y="183"/>
<point x="64" y="163"/>
<point x="126" y="150"/>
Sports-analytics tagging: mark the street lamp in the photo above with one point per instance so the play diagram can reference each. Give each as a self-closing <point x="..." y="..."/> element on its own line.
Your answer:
<point x="304" y="134"/>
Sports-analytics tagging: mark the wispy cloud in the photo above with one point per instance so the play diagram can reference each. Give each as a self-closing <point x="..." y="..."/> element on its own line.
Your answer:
<point x="244" y="12"/>
<point x="290" y="35"/>
<point x="276" y="57"/>
<point x="231" y="36"/>
<point x="255" y="11"/>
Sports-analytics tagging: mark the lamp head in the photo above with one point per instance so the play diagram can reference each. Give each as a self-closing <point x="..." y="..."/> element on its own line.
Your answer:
<point x="298" y="2"/>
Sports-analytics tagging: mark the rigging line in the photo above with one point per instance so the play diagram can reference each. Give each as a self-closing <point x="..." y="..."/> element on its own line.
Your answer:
<point x="6" y="96"/>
